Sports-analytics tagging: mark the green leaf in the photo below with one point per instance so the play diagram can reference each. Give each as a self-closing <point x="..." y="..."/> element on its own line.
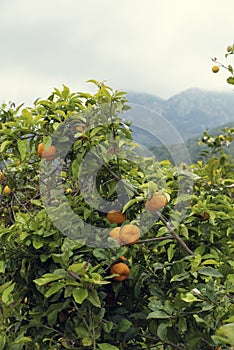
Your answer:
<point x="6" y="295"/>
<point x="108" y="326"/>
<point x="226" y="333"/>
<point x="131" y="202"/>
<point x="171" y="251"/>
<point x="3" y="145"/>
<point x="5" y="286"/>
<point x="2" y="342"/>
<point x="87" y="342"/>
<point x="158" y="314"/>
<point x="209" y="271"/>
<point x="57" y="286"/>
<point x="123" y="325"/>
<point x="37" y="244"/>
<point x="22" y="146"/>
<point x="180" y="277"/>
<point x="82" y="332"/>
<point x="47" y="278"/>
<point x="199" y="320"/>
<point x="162" y="330"/>
<point x="2" y="266"/>
<point x="106" y="346"/>
<point x="189" y="298"/>
<point x="94" y="298"/>
<point x="230" y="80"/>
<point x="52" y="317"/>
<point x="80" y="294"/>
<point x="22" y="340"/>
<point x="78" y="268"/>
<point x="27" y="116"/>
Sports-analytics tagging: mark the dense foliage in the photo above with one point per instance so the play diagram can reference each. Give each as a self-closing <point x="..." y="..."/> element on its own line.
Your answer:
<point x="56" y="288"/>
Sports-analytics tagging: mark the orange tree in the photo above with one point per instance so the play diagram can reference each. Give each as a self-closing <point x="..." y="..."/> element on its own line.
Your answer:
<point x="57" y="286"/>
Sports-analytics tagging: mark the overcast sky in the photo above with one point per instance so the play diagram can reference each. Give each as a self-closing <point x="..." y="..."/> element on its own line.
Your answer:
<point x="158" y="47"/>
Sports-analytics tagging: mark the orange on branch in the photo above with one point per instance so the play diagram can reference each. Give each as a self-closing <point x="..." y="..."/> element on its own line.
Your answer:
<point x="116" y="217"/>
<point x="156" y="202"/>
<point x="49" y="154"/>
<point x="122" y="270"/>
<point x="129" y="234"/>
<point x="115" y="234"/>
<point x="215" y="69"/>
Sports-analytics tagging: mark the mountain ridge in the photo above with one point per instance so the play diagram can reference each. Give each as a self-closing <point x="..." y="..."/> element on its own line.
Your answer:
<point x="191" y="111"/>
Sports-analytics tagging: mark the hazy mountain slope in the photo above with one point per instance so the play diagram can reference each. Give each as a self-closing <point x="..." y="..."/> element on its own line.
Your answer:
<point x="191" y="111"/>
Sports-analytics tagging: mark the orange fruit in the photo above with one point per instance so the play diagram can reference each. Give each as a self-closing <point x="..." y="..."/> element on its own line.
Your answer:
<point x="115" y="234"/>
<point x="215" y="69"/>
<point x="7" y="190"/>
<point x="48" y="154"/>
<point x="156" y="202"/>
<point x="116" y="216"/>
<point x="122" y="270"/>
<point x="129" y="234"/>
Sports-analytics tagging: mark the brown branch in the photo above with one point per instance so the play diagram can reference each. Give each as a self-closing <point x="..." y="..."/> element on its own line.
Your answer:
<point x="179" y="240"/>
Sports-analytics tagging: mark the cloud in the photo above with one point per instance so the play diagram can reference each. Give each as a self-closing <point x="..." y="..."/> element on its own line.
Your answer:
<point x="156" y="47"/>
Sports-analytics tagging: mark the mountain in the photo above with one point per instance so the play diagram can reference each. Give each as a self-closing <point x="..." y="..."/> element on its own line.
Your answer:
<point x="192" y="111"/>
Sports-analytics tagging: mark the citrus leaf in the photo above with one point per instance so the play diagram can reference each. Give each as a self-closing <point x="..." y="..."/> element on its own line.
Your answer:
<point x="54" y="289"/>
<point x="209" y="271"/>
<point x="80" y="294"/>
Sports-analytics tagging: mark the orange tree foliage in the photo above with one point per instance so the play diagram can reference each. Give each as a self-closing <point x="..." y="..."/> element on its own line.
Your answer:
<point x="56" y="291"/>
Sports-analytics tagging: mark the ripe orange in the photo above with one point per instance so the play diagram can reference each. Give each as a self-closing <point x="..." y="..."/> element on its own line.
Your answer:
<point x="7" y="190"/>
<point x="116" y="216"/>
<point x="115" y="234"/>
<point x="129" y="234"/>
<point x="122" y="270"/>
<point x="215" y="69"/>
<point x="156" y="202"/>
<point x="48" y="154"/>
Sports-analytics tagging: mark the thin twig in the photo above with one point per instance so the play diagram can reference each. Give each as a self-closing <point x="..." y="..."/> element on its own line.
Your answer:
<point x="179" y="240"/>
